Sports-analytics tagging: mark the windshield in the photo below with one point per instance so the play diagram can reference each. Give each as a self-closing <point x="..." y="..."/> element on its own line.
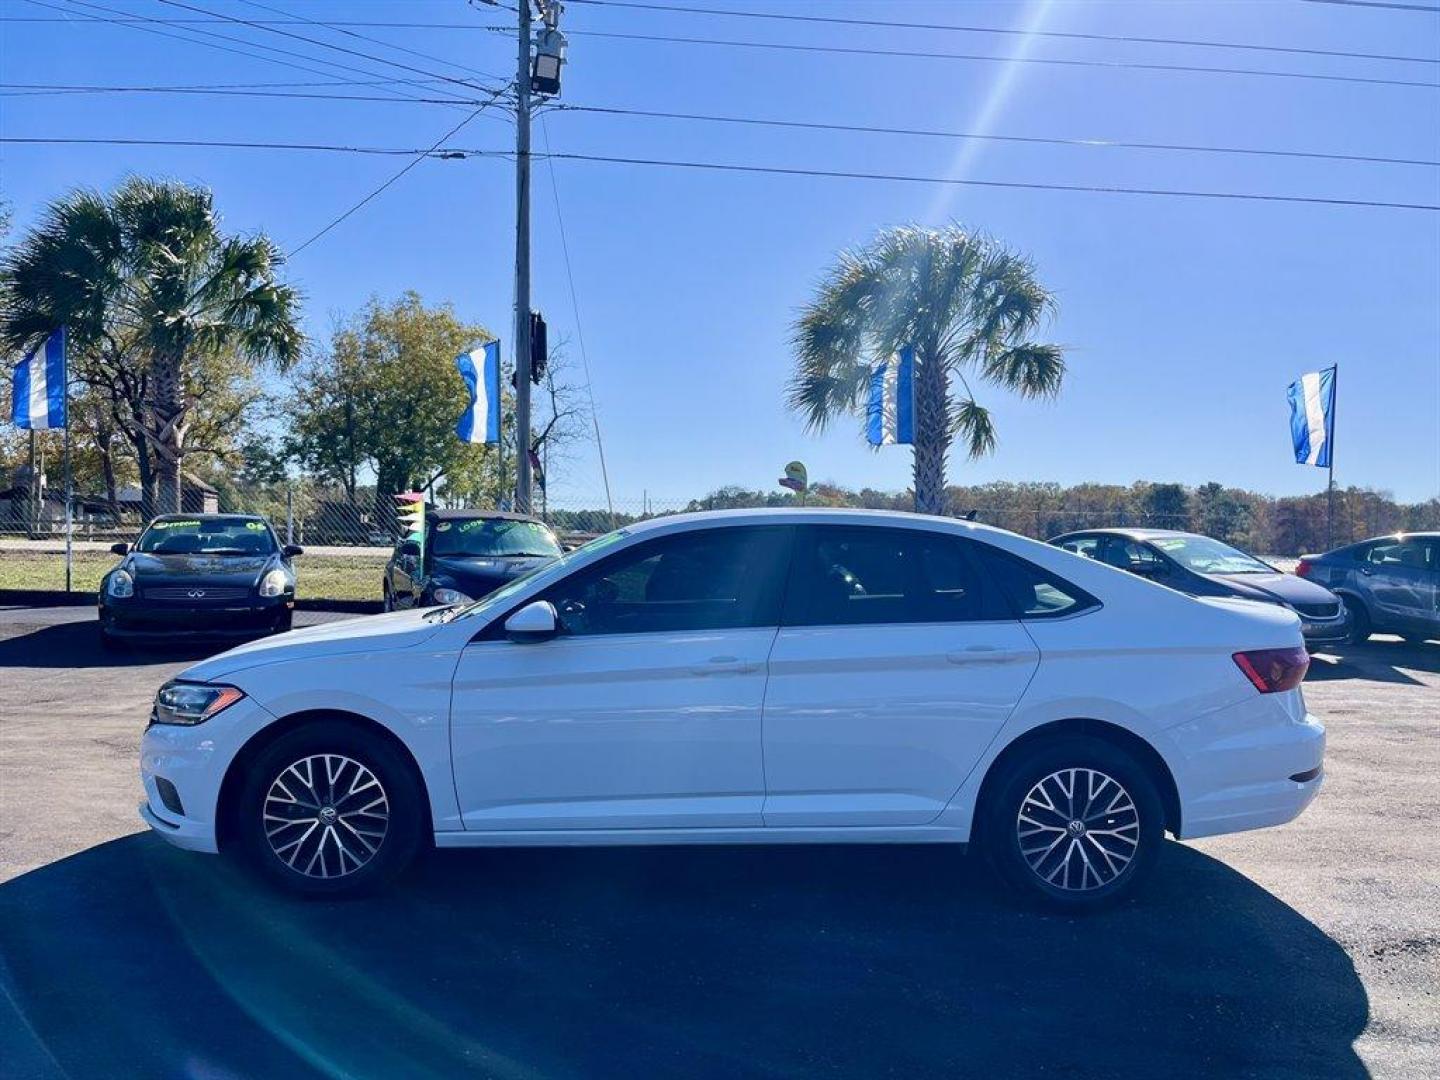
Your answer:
<point x="201" y="536"/>
<point x="495" y="537"/>
<point x="1206" y="556"/>
<point x="550" y="571"/>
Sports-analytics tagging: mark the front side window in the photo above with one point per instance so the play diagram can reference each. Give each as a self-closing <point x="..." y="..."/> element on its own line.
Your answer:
<point x="492" y="537"/>
<point x="207" y="536"/>
<point x="853" y="576"/>
<point x="708" y="579"/>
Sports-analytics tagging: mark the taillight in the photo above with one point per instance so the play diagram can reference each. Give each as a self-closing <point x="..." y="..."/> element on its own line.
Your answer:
<point x="1303" y="568"/>
<point x="1274" y="670"/>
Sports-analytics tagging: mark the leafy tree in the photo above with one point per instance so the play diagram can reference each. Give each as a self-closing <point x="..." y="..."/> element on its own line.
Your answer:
<point x="968" y="307"/>
<point x="384" y="400"/>
<point x="152" y="294"/>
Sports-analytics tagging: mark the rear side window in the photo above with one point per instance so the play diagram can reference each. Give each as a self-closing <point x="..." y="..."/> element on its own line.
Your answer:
<point x="710" y="579"/>
<point x="855" y="576"/>
<point x="1089" y="546"/>
<point x="1032" y="592"/>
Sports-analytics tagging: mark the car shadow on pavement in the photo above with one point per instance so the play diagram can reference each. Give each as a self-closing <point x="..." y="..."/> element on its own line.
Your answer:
<point x="133" y="959"/>
<point x="77" y="645"/>
<point x="1388" y="660"/>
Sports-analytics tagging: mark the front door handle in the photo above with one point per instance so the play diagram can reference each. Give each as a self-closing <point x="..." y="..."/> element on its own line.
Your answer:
<point x="725" y="665"/>
<point x="984" y="654"/>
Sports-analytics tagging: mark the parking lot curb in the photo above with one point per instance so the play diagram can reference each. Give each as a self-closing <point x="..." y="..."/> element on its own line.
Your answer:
<point x="61" y="598"/>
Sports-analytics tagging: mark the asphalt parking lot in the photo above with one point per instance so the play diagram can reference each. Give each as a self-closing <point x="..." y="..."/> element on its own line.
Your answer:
<point x="1311" y="950"/>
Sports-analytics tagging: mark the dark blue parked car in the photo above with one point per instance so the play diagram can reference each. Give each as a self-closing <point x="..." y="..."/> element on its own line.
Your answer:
<point x="1202" y="566"/>
<point x="1390" y="584"/>
<point x="467" y="555"/>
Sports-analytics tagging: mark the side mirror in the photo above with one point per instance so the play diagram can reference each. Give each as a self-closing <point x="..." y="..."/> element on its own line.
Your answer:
<point x="410" y="550"/>
<point x="120" y="549"/>
<point x="534" y="622"/>
<point x="291" y="550"/>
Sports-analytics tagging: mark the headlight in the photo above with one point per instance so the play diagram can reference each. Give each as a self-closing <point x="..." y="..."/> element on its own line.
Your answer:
<point x="120" y="585"/>
<point x="191" y="703"/>
<point x="275" y="583"/>
<point x="446" y="597"/>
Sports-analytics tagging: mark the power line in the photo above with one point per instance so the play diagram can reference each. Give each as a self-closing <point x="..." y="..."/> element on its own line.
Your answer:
<point x="579" y="329"/>
<point x="1426" y="8"/>
<point x="919" y="54"/>
<point x="246" y="52"/>
<point x="456" y="152"/>
<point x="375" y="41"/>
<point x="38" y="90"/>
<point x="1023" y="185"/>
<point x="322" y="44"/>
<point x="1126" y="39"/>
<point x="410" y="165"/>
<point x="1007" y="31"/>
<point x="1031" y="139"/>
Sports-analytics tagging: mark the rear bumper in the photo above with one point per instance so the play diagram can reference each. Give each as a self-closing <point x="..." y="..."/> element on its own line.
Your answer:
<point x="1325" y="631"/>
<point x="1247" y="767"/>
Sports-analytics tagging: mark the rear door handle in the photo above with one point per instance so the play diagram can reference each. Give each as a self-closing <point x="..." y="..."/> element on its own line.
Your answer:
<point x="983" y="654"/>
<point x="726" y="665"/>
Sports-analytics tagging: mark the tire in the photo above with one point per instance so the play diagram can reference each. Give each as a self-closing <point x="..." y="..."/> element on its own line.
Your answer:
<point x="1095" y="871"/>
<point x="110" y="643"/>
<point x="362" y="847"/>
<point x="387" y="602"/>
<point x="284" y="623"/>
<point x="1361" y="626"/>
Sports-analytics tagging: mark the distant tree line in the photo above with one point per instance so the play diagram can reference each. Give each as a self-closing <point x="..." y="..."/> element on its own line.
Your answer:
<point x="1267" y="524"/>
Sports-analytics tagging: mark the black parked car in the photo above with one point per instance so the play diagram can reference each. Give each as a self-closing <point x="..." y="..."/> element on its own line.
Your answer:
<point x="467" y="554"/>
<point x="1201" y="566"/>
<point x="216" y="575"/>
<point x="1390" y="584"/>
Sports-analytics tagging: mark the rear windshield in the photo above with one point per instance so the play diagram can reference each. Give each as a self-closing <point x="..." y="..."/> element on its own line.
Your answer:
<point x="494" y="537"/>
<point x="198" y="536"/>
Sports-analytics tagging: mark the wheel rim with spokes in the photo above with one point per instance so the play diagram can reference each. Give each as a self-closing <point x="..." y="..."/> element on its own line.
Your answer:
<point x="326" y="815"/>
<point x="1078" y="829"/>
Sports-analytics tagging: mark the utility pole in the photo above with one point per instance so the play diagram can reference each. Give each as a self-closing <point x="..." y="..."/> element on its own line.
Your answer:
<point x="522" y="264"/>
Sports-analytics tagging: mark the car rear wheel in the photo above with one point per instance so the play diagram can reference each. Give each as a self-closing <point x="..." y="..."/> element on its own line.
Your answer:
<point x="387" y="602"/>
<point x="1075" y="824"/>
<point x="330" y="810"/>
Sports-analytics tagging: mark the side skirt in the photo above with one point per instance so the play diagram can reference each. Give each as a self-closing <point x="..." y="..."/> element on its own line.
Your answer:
<point x="914" y="834"/>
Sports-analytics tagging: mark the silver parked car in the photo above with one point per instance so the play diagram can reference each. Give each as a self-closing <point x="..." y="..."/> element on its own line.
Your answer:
<point x="1390" y="584"/>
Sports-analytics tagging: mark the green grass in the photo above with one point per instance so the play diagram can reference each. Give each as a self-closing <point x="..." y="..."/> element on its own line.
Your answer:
<point x="319" y="577"/>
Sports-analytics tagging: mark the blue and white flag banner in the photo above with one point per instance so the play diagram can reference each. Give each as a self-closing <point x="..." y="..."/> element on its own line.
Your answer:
<point x="890" y="411"/>
<point x="480" y="422"/>
<point x="37" y="399"/>
<point x="1312" y="417"/>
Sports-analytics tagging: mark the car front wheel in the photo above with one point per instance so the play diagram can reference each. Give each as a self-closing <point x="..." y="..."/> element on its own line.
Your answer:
<point x="1360" y="625"/>
<point x="1074" y="824"/>
<point x="330" y="810"/>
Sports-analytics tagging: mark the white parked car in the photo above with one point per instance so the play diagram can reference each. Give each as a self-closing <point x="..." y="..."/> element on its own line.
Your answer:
<point x="754" y="677"/>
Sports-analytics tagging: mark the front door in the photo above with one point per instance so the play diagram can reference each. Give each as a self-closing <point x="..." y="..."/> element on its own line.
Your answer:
<point x="644" y="711"/>
<point x="894" y="668"/>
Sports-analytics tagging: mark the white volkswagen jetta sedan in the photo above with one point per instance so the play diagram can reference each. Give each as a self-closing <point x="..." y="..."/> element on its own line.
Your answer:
<point x="753" y="677"/>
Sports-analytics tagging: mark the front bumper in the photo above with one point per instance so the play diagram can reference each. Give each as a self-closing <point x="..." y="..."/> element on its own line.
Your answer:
<point x="242" y="619"/>
<point x="1249" y="766"/>
<point x="193" y="760"/>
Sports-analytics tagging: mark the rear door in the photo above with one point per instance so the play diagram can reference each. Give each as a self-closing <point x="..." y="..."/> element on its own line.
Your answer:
<point x="1400" y="583"/>
<point x="895" y="665"/>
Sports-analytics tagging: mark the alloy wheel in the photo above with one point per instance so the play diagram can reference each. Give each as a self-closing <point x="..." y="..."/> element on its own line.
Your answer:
<point x="1078" y="829"/>
<point x="325" y="816"/>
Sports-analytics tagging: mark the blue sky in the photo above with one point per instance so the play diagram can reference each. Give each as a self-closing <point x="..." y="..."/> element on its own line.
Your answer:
<point x="1185" y="319"/>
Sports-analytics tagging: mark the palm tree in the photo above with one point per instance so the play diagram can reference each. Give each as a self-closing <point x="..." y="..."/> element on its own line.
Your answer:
<point x="964" y="303"/>
<point x="147" y="286"/>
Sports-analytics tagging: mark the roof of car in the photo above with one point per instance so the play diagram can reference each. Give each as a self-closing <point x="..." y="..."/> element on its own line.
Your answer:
<point x="208" y="517"/>
<point x="783" y="515"/>
<point x="1128" y="533"/>
<point x="479" y="515"/>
